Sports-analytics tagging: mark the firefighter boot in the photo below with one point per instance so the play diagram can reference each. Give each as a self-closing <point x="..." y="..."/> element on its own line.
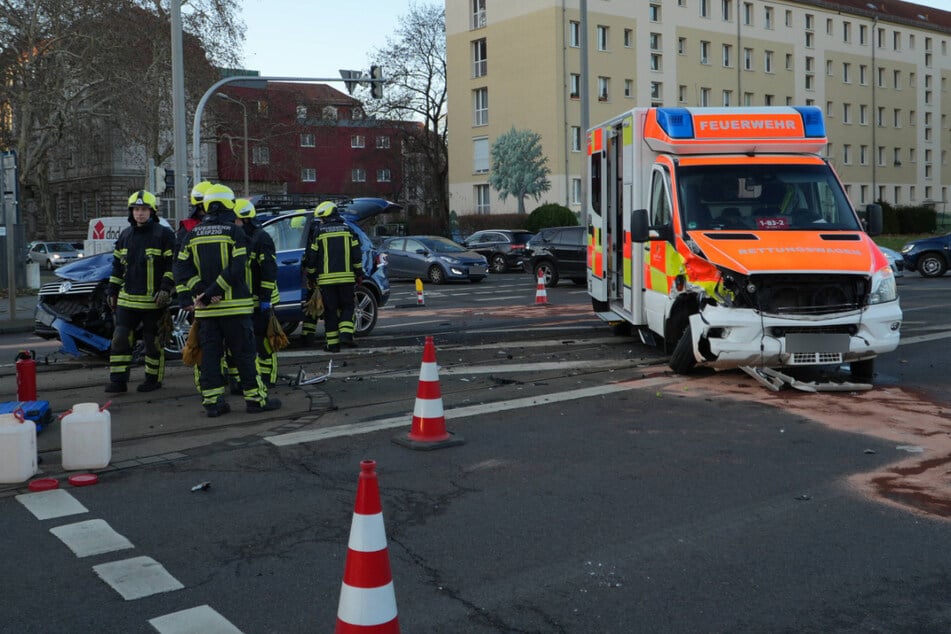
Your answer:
<point x="116" y="387"/>
<point x="255" y="407"/>
<point x="150" y="385"/>
<point x="217" y="409"/>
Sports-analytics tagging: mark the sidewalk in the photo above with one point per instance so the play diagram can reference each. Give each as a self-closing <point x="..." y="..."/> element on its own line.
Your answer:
<point x="23" y="320"/>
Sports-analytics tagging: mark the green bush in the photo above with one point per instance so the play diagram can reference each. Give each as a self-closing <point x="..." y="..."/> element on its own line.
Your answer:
<point x="550" y="215"/>
<point x="909" y="219"/>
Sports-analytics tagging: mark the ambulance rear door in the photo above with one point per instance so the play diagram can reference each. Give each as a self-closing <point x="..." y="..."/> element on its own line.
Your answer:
<point x="596" y="215"/>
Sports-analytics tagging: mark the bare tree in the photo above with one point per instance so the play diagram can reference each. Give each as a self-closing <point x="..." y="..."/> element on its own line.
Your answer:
<point x="414" y="60"/>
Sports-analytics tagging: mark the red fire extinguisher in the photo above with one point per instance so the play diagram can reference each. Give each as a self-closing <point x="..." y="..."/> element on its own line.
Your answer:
<point x="26" y="375"/>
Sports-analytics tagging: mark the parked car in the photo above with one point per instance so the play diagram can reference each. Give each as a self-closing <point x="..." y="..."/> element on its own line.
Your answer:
<point x="503" y="248"/>
<point x="50" y="255"/>
<point x="928" y="256"/>
<point x="434" y="258"/>
<point x="290" y="231"/>
<point x="558" y="253"/>
<point x="894" y="260"/>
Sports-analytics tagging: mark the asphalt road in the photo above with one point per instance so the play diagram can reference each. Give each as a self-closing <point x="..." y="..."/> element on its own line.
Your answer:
<point x="595" y="491"/>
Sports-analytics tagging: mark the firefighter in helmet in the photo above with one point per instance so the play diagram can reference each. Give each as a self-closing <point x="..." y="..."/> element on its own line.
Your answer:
<point x="139" y="292"/>
<point x="333" y="264"/>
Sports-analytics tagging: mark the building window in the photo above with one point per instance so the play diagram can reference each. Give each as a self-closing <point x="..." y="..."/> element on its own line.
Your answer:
<point x="727" y="56"/>
<point x="847" y="32"/>
<point x="574" y="34"/>
<point x="629" y="88"/>
<point x="358" y="141"/>
<point x="655" y="41"/>
<point x="847" y="154"/>
<point x="656" y="61"/>
<point x="829" y="67"/>
<point x="479" y="58"/>
<point x="704" y="8"/>
<point x="480" y="155"/>
<point x="768" y="61"/>
<point x="482" y="199"/>
<point x="726" y="10"/>
<point x="260" y="155"/>
<point x="704" y="97"/>
<point x="478" y="14"/>
<point x="329" y="113"/>
<point x="810" y="38"/>
<point x="747" y="99"/>
<point x="727" y="98"/>
<point x="768" y="18"/>
<point x="681" y="46"/>
<point x="846" y="113"/>
<point x="896" y="79"/>
<point x="863" y="155"/>
<point x="653" y="13"/>
<point x="863" y="114"/>
<point x="810" y="82"/>
<point x="897" y="118"/>
<point x="604" y="88"/>
<point x="682" y="93"/>
<point x="358" y="175"/>
<point x="863" y="74"/>
<point x="383" y="175"/>
<point x="602" y="33"/>
<point x="308" y="175"/>
<point x="301" y="113"/>
<point x="575" y="138"/>
<point x="704" y="52"/>
<point x="382" y="142"/>
<point x="307" y="139"/>
<point x="262" y="108"/>
<point x="896" y="157"/>
<point x="574" y="86"/>
<point x="829" y="28"/>
<point x="846" y="73"/>
<point x="657" y="90"/>
<point x="768" y="100"/>
<point x="628" y="38"/>
<point x="748" y="13"/>
<point x="480" y="106"/>
<point x="575" y="191"/>
<point x="747" y="59"/>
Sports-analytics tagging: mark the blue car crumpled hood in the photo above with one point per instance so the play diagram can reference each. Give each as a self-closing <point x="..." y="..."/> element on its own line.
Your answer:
<point x="89" y="269"/>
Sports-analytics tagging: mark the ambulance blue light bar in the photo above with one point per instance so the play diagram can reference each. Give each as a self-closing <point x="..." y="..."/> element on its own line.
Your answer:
<point x="812" y="120"/>
<point x="679" y="123"/>
<point x="676" y="122"/>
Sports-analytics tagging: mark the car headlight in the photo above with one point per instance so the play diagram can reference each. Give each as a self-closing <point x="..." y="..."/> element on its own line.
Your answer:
<point x="907" y="248"/>
<point x="448" y="260"/>
<point x="55" y="256"/>
<point x="884" y="288"/>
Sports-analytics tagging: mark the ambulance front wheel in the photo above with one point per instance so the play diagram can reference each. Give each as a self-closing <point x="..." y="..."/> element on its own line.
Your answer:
<point x="682" y="360"/>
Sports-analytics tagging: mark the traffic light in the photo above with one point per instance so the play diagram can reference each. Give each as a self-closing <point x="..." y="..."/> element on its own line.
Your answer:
<point x="376" y="87"/>
<point x="169" y="179"/>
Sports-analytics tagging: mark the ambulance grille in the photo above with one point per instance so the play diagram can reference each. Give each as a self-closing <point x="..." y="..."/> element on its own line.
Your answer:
<point x="808" y="294"/>
<point x="815" y="358"/>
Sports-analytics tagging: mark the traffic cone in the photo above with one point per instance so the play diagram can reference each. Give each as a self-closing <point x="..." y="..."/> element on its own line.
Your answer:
<point x="541" y="295"/>
<point x="367" y="600"/>
<point x="420" y="300"/>
<point x="429" y="422"/>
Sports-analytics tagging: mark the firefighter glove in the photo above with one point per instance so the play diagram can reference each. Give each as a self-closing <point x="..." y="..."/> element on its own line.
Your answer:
<point x="162" y="299"/>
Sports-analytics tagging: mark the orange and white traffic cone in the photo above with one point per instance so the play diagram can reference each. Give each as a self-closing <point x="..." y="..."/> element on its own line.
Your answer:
<point x="367" y="599"/>
<point x="429" y="421"/>
<point x="420" y="300"/>
<point x="541" y="295"/>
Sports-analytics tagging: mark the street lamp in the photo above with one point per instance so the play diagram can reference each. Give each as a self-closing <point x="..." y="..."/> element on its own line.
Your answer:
<point x="244" y="111"/>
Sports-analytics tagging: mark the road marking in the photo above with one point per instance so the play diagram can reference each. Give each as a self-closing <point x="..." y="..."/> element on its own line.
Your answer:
<point x="202" y="619"/>
<point x="496" y="298"/>
<point x="137" y="577"/>
<point x="904" y="341"/>
<point x="93" y="537"/>
<point x="353" y="429"/>
<point x="47" y="505"/>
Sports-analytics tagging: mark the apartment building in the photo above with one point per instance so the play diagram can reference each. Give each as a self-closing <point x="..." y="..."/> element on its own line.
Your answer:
<point x="879" y="69"/>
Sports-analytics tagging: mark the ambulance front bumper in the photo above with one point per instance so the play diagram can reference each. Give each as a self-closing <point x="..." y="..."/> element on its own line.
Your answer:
<point x="732" y="337"/>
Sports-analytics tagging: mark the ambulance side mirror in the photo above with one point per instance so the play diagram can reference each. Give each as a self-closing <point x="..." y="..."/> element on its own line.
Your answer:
<point x="873" y="219"/>
<point x="640" y="229"/>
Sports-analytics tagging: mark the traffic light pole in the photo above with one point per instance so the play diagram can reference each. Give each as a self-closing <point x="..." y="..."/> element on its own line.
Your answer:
<point x="351" y="78"/>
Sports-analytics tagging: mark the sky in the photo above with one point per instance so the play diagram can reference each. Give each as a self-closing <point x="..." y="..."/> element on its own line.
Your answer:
<point x="317" y="38"/>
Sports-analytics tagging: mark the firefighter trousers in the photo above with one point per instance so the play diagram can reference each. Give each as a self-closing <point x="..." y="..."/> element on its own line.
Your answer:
<point x="127" y="321"/>
<point x="339" y="306"/>
<point x="234" y="333"/>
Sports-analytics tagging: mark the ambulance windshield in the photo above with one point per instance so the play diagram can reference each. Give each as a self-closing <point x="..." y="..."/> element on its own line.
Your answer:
<point x="773" y="196"/>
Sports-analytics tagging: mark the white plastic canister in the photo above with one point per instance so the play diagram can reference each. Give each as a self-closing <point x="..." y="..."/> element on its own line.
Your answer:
<point x="86" y="437"/>
<point x="17" y="449"/>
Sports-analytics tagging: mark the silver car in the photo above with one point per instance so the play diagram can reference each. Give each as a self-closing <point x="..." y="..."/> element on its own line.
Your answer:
<point x="53" y="254"/>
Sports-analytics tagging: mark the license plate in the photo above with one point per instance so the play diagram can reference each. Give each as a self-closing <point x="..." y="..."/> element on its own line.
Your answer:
<point x="817" y="342"/>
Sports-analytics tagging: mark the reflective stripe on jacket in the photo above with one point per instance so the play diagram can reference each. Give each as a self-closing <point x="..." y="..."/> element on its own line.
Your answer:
<point x="334" y="255"/>
<point x="142" y="265"/>
<point x="213" y="262"/>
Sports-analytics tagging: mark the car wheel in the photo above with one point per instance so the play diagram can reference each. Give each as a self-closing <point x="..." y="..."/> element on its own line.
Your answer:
<point x="546" y="270"/>
<point x="365" y="311"/>
<point x="932" y="265"/>
<point x="436" y="274"/>
<point x="49" y="265"/>
<point x="862" y="370"/>
<point x="682" y="360"/>
<point x="498" y="263"/>
<point x="181" y="326"/>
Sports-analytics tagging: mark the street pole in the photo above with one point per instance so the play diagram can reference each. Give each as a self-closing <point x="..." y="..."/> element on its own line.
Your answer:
<point x="244" y="112"/>
<point x="178" y="113"/>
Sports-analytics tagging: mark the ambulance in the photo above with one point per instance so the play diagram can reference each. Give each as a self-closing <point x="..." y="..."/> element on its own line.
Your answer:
<point x="723" y="235"/>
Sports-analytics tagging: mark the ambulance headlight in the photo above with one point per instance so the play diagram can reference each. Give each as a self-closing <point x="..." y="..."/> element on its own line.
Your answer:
<point x="884" y="287"/>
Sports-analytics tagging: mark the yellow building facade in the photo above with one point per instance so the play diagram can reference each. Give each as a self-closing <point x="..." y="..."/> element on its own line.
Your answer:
<point x="880" y="75"/>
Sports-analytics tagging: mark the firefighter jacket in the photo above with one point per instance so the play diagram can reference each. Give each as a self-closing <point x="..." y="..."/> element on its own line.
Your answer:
<point x="262" y="265"/>
<point x="334" y="255"/>
<point x="142" y="265"/>
<point x="213" y="262"/>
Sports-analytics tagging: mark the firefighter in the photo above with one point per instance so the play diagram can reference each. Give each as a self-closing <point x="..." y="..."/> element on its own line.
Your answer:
<point x="139" y="292"/>
<point x="334" y="265"/>
<point x="262" y="280"/>
<point x="211" y="278"/>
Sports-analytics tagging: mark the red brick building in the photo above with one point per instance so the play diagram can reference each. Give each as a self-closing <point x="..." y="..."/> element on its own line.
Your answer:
<point x="307" y="139"/>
